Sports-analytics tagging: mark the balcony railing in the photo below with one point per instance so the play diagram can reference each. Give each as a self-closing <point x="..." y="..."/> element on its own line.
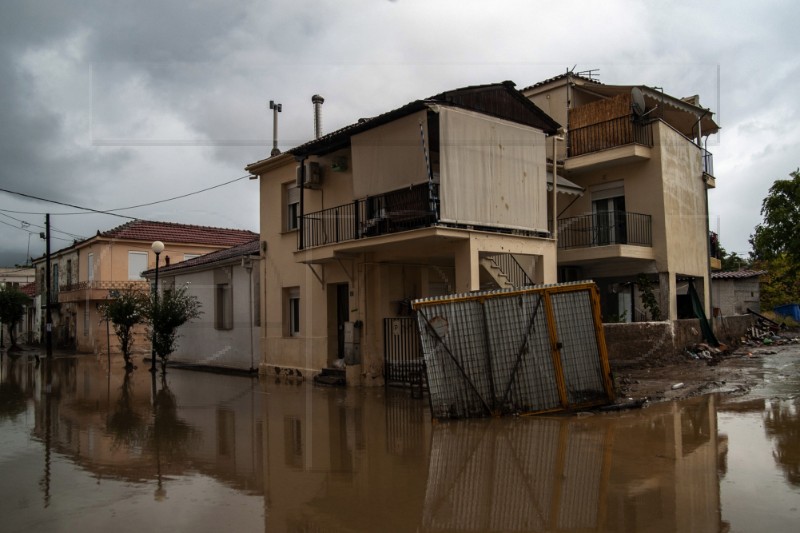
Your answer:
<point x="708" y="162"/>
<point x="605" y="228"/>
<point x="400" y="210"/>
<point x="609" y="134"/>
<point x="104" y="285"/>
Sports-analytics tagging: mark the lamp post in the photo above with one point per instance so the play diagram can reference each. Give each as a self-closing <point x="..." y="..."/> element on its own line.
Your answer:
<point x="157" y="247"/>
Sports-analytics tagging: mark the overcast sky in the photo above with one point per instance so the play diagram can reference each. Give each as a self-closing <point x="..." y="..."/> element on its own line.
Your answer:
<point x="117" y="103"/>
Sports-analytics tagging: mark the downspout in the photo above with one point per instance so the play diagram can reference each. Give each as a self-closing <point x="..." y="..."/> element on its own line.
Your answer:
<point x="300" y="226"/>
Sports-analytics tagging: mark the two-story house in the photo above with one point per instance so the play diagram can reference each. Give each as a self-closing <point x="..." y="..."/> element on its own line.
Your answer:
<point x="445" y="194"/>
<point x="86" y="274"/>
<point x="639" y="155"/>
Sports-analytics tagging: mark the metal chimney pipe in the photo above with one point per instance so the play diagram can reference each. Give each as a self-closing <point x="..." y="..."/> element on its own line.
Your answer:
<point x="276" y="108"/>
<point x="317" y="100"/>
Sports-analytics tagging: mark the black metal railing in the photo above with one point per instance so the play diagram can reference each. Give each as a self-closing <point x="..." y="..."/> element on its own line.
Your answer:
<point x="708" y="162"/>
<point x="605" y="228"/>
<point x="403" y="361"/>
<point x="609" y="134"/>
<point x="509" y="266"/>
<point x="400" y="210"/>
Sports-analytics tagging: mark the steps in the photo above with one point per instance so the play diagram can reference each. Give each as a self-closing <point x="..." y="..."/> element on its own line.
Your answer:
<point x="331" y="377"/>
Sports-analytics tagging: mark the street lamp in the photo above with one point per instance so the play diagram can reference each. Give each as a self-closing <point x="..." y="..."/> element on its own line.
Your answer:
<point x="157" y="247"/>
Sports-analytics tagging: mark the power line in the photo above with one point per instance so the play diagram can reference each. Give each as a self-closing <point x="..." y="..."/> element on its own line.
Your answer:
<point x="74" y="236"/>
<point x="24" y="195"/>
<point x="111" y="211"/>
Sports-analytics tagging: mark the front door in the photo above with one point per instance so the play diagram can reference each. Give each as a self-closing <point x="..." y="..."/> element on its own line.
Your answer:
<point x="609" y="221"/>
<point x="342" y="315"/>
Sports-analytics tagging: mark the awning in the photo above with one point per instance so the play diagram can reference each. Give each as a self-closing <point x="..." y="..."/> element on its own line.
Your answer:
<point x="564" y="185"/>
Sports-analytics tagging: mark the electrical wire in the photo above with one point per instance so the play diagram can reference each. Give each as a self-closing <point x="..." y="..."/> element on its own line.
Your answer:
<point x="110" y="211"/>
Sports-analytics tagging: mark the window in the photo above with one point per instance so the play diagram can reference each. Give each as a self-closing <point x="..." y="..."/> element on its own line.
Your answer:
<point x="90" y="267"/>
<point x="223" y="306"/>
<point x="54" y="286"/>
<point x="137" y="263"/>
<point x="292" y="310"/>
<point x="291" y="195"/>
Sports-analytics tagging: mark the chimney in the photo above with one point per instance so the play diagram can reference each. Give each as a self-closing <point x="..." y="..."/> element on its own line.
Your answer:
<point x="276" y="108"/>
<point x="317" y="100"/>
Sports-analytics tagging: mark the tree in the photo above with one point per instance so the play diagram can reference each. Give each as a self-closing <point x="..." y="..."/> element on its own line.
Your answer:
<point x="779" y="233"/>
<point x="166" y="314"/>
<point x="776" y="243"/>
<point x="125" y="311"/>
<point x="12" y="310"/>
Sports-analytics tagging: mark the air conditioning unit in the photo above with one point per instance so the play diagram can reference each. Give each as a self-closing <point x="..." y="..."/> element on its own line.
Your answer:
<point x="313" y="177"/>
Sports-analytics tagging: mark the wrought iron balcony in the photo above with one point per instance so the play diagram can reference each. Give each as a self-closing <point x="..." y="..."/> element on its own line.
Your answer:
<point x="708" y="162"/>
<point x="605" y="228"/>
<point x="400" y="210"/>
<point x="618" y="131"/>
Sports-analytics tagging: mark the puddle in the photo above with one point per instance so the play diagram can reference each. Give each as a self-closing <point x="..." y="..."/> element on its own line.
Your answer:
<point x="84" y="450"/>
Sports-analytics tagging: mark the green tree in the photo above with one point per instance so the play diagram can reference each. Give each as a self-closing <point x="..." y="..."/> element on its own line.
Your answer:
<point x="779" y="233"/>
<point x="172" y="309"/>
<point x="125" y="311"/>
<point x="776" y="242"/>
<point x="12" y="310"/>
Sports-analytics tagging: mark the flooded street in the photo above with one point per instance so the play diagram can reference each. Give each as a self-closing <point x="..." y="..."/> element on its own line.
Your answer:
<point x="84" y="450"/>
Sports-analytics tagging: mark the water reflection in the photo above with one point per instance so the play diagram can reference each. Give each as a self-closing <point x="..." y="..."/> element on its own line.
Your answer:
<point x="203" y="452"/>
<point x="782" y="424"/>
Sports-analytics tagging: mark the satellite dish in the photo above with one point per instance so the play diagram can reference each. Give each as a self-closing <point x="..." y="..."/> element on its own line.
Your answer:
<point x="637" y="102"/>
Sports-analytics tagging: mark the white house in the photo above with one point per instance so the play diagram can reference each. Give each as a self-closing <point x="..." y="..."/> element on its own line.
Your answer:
<point x="226" y="283"/>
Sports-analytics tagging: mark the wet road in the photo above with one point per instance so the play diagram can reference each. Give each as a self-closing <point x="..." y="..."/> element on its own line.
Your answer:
<point x="82" y="450"/>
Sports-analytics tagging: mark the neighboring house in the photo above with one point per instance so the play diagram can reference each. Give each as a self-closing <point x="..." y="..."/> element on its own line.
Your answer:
<point x="226" y="283"/>
<point x="446" y="194"/>
<point x="17" y="276"/>
<point x="736" y="292"/>
<point x="638" y="154"/>
<point x="21" y="278"/>
<point x="86" y="274"/>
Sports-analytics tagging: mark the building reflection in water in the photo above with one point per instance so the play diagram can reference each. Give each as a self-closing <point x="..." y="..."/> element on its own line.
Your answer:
<point x="334" y="459"/>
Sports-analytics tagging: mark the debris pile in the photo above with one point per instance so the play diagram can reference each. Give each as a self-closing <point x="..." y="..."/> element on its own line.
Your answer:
<point x="711" y="354"/>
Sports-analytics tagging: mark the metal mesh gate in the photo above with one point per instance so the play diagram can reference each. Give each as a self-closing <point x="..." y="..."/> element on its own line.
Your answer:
<point x="403" y="363"/>
<point x="518" y="351"/>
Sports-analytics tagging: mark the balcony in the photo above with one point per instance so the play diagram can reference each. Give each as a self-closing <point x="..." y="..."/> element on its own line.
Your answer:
<point x="715" y="251"/>
<point x="605" y="235"/>
<point x="616" y="141"/>
<point x="96" y="289"/>
<point x="393" y="212"/>
<point x="708" y="169"/>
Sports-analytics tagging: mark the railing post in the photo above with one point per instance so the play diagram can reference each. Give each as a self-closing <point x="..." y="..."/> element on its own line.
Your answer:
<point x="356" y="233"/>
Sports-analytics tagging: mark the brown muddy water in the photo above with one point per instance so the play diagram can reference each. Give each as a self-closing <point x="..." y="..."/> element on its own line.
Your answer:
<point x="82" y="450"/>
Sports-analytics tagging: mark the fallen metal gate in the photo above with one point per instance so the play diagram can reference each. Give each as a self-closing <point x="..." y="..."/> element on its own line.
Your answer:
<point x="403" y="363"/>
<point x="516" y="351"/>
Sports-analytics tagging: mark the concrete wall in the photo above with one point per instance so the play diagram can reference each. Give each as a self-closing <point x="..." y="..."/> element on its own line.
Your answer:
<point x="735" y="296"/>
<point x="641" y="342"/>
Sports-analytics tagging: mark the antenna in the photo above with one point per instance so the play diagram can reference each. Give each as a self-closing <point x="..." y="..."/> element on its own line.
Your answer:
<point x="276" y="108"/>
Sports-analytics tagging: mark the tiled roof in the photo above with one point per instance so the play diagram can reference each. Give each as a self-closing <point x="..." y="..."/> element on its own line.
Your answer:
<point x="29" y="289"/>
<point x="248" y="248"/>
<point x="737" y="274"/>
<point x="559" y="77"/>
<point x="170" y="232"/>
<point x="467" y="97"/>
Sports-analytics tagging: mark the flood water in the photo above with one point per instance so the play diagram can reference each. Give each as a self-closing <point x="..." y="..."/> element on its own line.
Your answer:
<point x="82" y="450"/>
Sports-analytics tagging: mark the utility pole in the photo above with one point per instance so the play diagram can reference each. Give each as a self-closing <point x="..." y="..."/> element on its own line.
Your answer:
<point x="48" y="288"/>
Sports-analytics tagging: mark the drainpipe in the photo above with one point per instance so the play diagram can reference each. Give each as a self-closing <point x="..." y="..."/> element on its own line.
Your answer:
<point x="302" y="161"/>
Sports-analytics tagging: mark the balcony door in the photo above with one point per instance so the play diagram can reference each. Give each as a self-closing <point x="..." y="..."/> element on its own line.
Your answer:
<point x="608" y="214"/>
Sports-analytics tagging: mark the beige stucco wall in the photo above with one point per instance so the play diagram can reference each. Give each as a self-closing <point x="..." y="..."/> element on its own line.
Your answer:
<point x="380" y="273"/>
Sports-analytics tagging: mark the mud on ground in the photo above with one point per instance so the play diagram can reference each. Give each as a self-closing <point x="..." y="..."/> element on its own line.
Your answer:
<point x="766" y="370"/>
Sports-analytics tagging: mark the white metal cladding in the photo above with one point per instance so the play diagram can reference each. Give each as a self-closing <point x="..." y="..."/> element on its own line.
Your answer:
<point x="492" y="352"/>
